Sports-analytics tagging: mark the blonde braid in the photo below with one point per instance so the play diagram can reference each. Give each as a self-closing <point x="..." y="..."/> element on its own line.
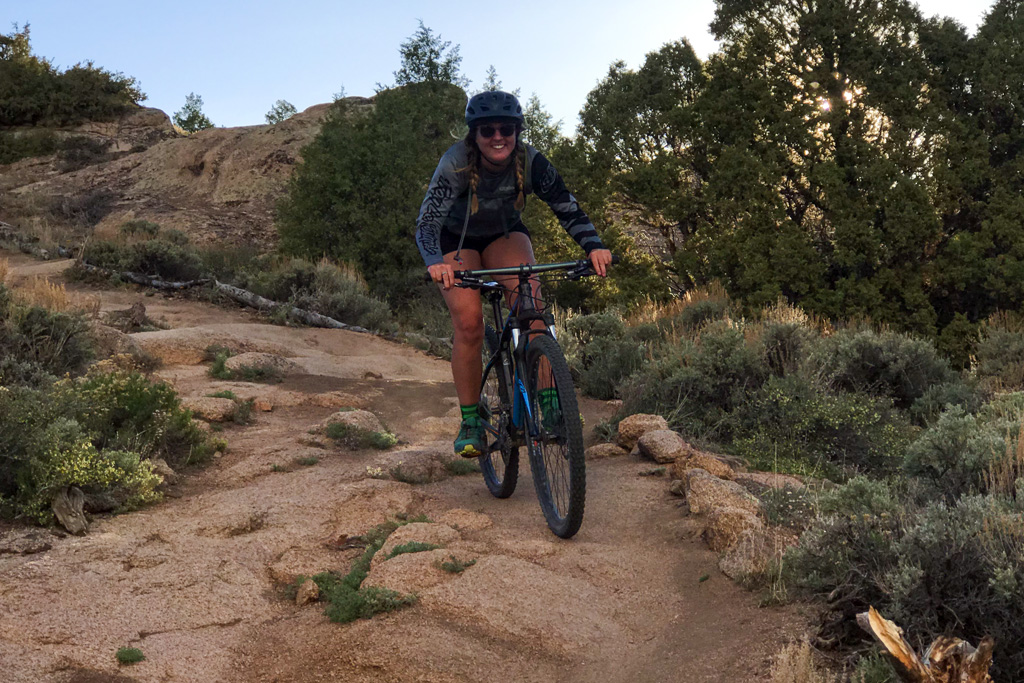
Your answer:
<point x="520" y="164"/>
<point x="474" y="179"/>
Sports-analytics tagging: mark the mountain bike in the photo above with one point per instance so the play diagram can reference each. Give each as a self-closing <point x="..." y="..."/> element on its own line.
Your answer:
<point x="527" y="396"/>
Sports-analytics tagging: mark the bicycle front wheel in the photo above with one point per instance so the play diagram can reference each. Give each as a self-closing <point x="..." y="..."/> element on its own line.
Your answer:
<point x="500" y="464"/>
<point x="555" y="441"/>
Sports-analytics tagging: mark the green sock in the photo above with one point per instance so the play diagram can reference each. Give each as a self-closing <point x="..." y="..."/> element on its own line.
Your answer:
<point x="470" y="413"/>
<point x="548" y="397"/>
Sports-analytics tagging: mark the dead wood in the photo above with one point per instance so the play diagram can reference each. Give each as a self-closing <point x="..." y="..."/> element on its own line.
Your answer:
<point x="947" y="660"/>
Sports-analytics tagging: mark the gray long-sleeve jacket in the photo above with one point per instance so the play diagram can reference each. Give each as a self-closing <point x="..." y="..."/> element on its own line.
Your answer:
<point x="447" y="200"/>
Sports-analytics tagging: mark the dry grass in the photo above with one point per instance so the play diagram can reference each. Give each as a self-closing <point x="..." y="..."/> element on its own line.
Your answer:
<point x="1004" y="471"/>
<point x="38" y="291"/>
<point x="796" y="664"/>
<point x="653" y="311"/>
<point x="5" y="270"/>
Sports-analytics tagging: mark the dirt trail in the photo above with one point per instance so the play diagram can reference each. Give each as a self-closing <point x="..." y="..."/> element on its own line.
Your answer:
<point x="195" y="581"/>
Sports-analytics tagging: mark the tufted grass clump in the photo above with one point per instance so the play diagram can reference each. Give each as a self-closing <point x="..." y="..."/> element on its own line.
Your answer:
<point x="462" y="466"/>
<point x="129" y="655"/>
<point x="412" y="547"/>
<point x="346" y="598"/>
<point x="357" y="437"/>
<point x="453" y="565"/>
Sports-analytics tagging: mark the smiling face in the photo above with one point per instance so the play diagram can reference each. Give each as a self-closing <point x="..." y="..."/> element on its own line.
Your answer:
<point x="497" y="149"/>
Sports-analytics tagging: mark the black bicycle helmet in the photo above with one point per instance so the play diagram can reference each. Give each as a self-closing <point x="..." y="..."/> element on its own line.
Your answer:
<point x="493" y="104"/>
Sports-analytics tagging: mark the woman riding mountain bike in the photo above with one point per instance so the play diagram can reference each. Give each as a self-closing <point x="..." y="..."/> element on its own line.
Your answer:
<point x="471" y="218"/>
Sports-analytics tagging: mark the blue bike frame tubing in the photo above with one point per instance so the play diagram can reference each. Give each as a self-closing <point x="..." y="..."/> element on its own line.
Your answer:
<point x="511" y="334"/>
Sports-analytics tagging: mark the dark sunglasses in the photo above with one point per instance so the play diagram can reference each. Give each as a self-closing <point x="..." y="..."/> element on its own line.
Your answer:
<point x="507" y="130"/>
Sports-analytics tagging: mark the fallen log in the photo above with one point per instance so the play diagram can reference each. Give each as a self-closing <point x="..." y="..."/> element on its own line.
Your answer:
<point x="947" y="659"/>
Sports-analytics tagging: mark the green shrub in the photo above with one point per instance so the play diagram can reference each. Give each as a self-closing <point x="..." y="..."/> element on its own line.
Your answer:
<point x="37" y="343"/>
<point x="129" y="655"/>
<point x="15" y="146"/>
<point x="336" y="291"/>
<point x="62" y="455"/>
<point x="791" y="424"/>
<point x="155" y="257"/>
<point x="953" y="455"/>
<point x="884" y="364"/>
<point x="698" y="384"/>
<point x="462" y="466"/>
<point x="1000" y="352"/>
<point x="786" y="346"/>
<point x="602" y="352"/>
<point x="139" y="227"/>
<point x="934" y="569"/>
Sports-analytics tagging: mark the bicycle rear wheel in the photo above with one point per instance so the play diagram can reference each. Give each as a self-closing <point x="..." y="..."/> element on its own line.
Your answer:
<point x="500" y="464"/>
<point x="555" y="443"/>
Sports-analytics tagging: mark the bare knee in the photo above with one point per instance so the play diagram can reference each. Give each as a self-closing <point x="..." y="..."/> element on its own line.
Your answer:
<point x="469" y="330"/>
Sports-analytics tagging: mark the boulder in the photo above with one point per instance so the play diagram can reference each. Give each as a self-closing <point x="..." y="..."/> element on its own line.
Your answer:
<point x="706" y="492"/>
<point x="635" y="426"/>
<point x="701" y="460"/>
<point x="604" y="450"/>
<point x="724" y="526"/>
<point x="210" y="408"/>
<point x="753" y="550"/>
<point x="360" y="419"/>
<point x="663" y="446"/>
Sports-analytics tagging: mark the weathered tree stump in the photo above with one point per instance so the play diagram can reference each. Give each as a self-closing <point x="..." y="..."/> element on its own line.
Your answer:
<point x="947" y="659"/>
<point x="68" y="505"/>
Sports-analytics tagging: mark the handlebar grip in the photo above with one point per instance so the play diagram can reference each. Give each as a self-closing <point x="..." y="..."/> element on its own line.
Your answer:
<point x="615" y="259"/>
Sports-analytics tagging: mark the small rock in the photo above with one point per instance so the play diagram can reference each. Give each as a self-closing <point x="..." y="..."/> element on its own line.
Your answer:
<point x="210" y="408"/>
<point x="604" y="450"/>
<point x="706" y="492"/>
<point x="338" y="399"/>
<point x="677" y="488"/>
<point x="663" y="446"/>
<point x="361" y="419"/>
<point x="308" y="592"/>
<point x="635" y="426"/>
<point x="262" y="405"/>
<point x="161" y="467"/>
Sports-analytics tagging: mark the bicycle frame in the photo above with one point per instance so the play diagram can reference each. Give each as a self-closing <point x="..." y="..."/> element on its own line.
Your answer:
<point x="515" y="331"/>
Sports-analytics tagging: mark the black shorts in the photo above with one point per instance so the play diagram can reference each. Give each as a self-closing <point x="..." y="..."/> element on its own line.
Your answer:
<point x="450" y="241"/>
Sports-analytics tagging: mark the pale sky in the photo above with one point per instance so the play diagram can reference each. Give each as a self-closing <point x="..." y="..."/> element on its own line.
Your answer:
<point x="241" y="57"/>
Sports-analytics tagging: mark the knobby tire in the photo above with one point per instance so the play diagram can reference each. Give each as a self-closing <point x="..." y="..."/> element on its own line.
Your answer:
<point x="556" y="458"/>
<point x="500" y="467"/>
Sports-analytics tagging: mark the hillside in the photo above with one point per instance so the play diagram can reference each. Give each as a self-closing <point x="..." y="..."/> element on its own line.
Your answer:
<point x="219" y="185"/>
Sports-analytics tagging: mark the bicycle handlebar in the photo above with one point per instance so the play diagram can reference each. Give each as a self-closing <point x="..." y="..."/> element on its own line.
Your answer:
<point x="580" y="265"/>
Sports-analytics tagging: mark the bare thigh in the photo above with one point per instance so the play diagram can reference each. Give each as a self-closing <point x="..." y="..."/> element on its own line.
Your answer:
<point x="517" y="250"/>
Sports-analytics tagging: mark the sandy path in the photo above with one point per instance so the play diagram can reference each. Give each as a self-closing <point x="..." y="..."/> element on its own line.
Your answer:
<point x="195" y="581"/>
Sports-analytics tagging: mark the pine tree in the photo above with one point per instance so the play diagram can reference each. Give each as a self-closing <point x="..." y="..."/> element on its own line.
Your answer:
<point x="190" y="117"/>
<point x="282" y="110"/>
